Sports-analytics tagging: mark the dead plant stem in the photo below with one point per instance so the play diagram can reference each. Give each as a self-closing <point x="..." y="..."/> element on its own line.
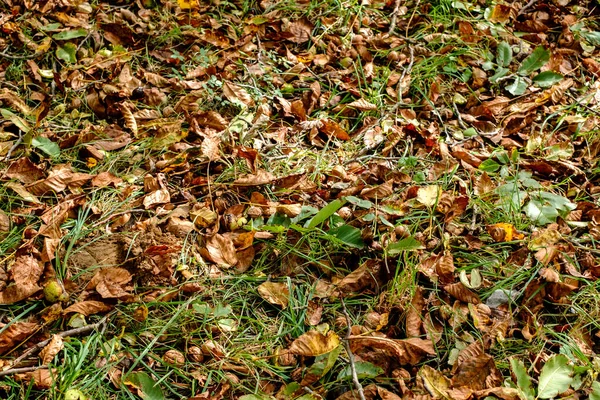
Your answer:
<point x="359" y="388"/>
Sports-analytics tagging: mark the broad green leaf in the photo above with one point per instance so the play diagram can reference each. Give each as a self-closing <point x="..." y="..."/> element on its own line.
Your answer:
<point x="555" y="377"/>
<point x="145" y="385"/>
<point x="362" y="203"/>
<point x="518" y="87"/>
<point x="489" y="165"/>
<point x="539" y="213"/>
<point x="67" y="52"/>
<point x="15" y="119"/>
<point x="523" y="379"/>
<point x="72" y="34"/>
<point x="350" y="236"/>
<point x="323" y="363"/>
<point x="500" y="73"/>
<point x="547" y="78"/>
<point x="364" y="370"/>
<point x="324" y="213"/>
<point x="406" y="244"/>
<point x="534" y="61"/>
<point x="505" y="54"/>
<point x="595" y="395"/>
<point x="592" y="38"/>
<point x="255" y="397"/>
<point x="46" y="145"/>
<point x="558" y="202"/>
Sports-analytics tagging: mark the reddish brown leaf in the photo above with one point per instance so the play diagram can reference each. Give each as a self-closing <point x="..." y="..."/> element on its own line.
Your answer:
<point x="15" y="334"/>
<point x="88" y="307"/>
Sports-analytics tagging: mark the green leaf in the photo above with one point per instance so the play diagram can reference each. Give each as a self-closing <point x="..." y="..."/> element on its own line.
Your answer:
<point x="523" y="379"/>
<point x="540" y="213"/>
<point x="72" y="34"/>
<point x="547" y="78"/>
<point x="323" y="364"/>
<point x="15" y="119"/>
<point x="349" y="235"/>
<point x="505" y="54"/>
<point x="67" y="52"/>
<point x="555" y="377"/>
<point x="362" y="203"/>
<point x="534" y="61"/>
<point x="255" y="397"/>
<point x="406" y="244"/>
<point x="324" y="213"/>
<point x="145" y="385"/>
<point x="518" y="87"/>
<point x="558" y="202"/>
<point x="364" y="370"/>
<point x="46" y="145"/>
<point x="595" y="395"/>
<point x="500" y="73"/>
<point x="489" y="165"/>
<point x="592" y="38"/>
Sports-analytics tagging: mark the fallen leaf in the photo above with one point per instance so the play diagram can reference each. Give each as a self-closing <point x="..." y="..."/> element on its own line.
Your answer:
<point x="406" y="351"/>
<point x="428" y="195"/>
<point x="51" y="349"/>
<point x="314" y="343"/>
<point x="275" y="293"/>
<point x="111" y="282"/>
<point x="261" y="177"/>
<point x="504" y="232"/>
<point x="15" y="334"/>
<point x="220" y="250"/>
<point x="379" y="192"/>
<point x="235" y="93"/>
<point x="88" y="307"/>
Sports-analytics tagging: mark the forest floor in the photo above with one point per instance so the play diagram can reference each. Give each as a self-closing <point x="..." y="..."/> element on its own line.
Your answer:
<point x="299" y="199"/>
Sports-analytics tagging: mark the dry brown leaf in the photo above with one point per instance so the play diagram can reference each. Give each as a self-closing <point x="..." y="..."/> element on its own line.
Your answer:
<point x="261" y="177"/>
<point x="17" y="292"/>
<point x="462" y="293"/>
<point x="210" y="148"/>
<point x="291" y="210"/>
<point x="24" y="171"/>
<point x="4" y="223"/>
<point x="484" y="185"/>
<point x="362" y="105"/>
<point x="406" y="351"/>
<point x="42" y="378"/>
<point x="104" y="179"/>
<point x="111" y="282"/>
<point x="314" y="343"/>
<point x="220" y="250"/>
<point x="504" y="232"/>
<point x="414" y="314"/>
<point x="444" y="268"/>
<point x="314" y="312"/>
<point x="130" y="122"/>
<point x="275" y="293"/>
<point x="88" y="307"/>
<point x="379" y="192"/>
<point x="160" y="196"/>
<point x="22" y="192"/>
<point x="434" y="381"/>
<point x="51" y="349"/>
<point x="363" y="277"/>
<point x="300" y="31"/>
<point x="428" y="195"/>
<point x="26" y="270"/>
<point x="15" y="334"/>
<point x="331" y="128"/>
<point x="235" y="93"/>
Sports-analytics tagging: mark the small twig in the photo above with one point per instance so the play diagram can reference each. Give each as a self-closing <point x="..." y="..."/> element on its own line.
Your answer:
<point x="13" y="57"/>
<point x="526" y="6"/>
<point x="71" y="332"/>
<point x="411" y="18"/>
<point x="13" y="371"/>
<point x="394" y="17"/>
<point x="359" y="388"/>
<point x="14" y="146"/>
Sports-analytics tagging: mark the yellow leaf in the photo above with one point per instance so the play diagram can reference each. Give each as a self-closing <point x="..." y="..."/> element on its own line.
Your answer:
<point x="188" y="4"/>
<point x="275" y="293"/>
<point x="315" y="343"/>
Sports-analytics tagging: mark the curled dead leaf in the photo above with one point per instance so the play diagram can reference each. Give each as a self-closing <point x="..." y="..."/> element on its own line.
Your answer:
<point x="88" y="307"/>
<point x="15" y="334"/>
<point x="52" y="349"/>
<point x="314" y="343"/>
<point x="407" y="351"/>
<point x="275" y="293"/>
